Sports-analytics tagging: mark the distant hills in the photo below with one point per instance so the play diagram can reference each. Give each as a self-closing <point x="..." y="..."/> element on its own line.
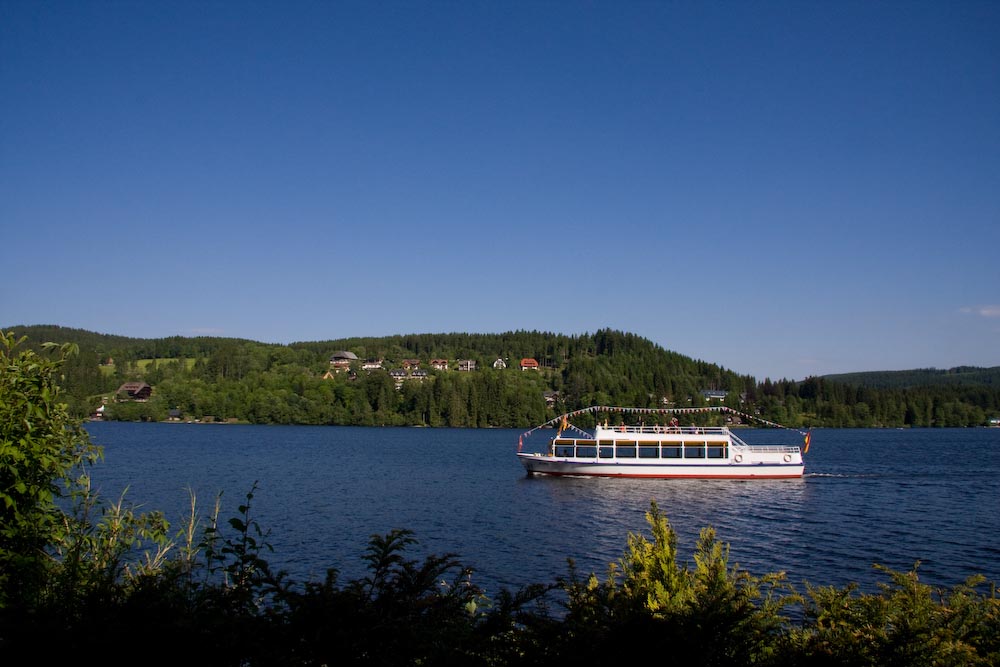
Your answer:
<point x="39" y="333"/>
<point x="190" y="346"/>
<point x="921" y="377"/>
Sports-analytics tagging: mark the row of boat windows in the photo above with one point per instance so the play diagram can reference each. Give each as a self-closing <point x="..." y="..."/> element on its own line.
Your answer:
<point x="699" y="450"/>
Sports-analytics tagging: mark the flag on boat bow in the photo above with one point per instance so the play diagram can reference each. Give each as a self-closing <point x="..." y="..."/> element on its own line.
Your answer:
<point x="805" y="450"/>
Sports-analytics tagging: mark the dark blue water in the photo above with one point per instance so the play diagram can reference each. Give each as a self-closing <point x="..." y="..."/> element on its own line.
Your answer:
<point x="892" y="497"/>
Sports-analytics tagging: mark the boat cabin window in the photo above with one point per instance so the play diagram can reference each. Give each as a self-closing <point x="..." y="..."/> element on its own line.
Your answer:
<point x="563" y="446"/>
<point x="626" y="450"/>
<point x="647" y="452"/>
<point x="694" y="450"/>
<point x="671" y="452"/>
<point x="606" y="449"/>
<point x="587" y="452"/>
<point x="716" y="451"/>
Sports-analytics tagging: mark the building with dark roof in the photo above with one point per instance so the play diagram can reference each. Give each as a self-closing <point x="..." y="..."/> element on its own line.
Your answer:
<point x="134" y="391"/>
<point x="341" y="361"/>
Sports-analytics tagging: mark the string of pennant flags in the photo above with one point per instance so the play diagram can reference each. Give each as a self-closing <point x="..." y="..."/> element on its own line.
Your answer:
<point x="564" y="423"/>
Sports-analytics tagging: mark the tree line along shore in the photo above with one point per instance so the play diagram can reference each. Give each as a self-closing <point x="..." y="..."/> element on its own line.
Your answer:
<point x="479" y="381"/>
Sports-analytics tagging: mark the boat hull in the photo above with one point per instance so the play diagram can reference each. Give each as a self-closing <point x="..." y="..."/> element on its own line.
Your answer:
<point x="536" y="464"/>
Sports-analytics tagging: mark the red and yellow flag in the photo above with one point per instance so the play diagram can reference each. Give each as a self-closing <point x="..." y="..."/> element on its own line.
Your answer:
<point x="808" y="438"/>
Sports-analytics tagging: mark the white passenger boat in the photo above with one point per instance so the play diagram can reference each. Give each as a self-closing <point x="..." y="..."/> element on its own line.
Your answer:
<point x="661" y="451"/>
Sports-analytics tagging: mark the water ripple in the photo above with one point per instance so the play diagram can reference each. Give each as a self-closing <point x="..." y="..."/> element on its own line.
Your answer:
<point x="869" y="496"/>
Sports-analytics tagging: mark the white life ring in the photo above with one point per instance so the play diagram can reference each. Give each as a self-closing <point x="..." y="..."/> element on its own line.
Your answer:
<point x="738" y="458"/>
<point x="788" y="457"/>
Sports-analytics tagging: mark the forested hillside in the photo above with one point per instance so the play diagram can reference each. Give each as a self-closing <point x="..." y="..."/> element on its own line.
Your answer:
<point x="227" y="379"/>
<point x="922" y="377"/>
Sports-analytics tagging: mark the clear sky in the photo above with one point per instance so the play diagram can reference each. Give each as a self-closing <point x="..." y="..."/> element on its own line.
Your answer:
<point x="783" y="188"/>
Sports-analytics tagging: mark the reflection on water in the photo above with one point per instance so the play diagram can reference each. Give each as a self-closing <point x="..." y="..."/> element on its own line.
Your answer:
<point x="765" y="514"/>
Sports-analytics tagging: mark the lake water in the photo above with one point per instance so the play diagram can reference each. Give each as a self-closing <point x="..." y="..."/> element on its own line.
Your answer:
<point x="869" y="496"/>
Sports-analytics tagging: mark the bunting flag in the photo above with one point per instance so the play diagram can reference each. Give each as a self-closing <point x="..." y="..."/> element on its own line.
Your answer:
<point x="520" y="442"/>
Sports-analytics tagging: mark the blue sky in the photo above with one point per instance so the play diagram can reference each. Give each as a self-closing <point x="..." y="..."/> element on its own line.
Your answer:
<point x="783" y="188"/>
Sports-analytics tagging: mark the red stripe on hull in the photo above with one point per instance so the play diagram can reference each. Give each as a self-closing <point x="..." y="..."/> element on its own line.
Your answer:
<point x="637" y="476"/>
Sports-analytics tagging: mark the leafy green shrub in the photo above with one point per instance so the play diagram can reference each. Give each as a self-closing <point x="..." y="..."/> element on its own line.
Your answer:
<point x="43" y="455"/>
<point x="709" y="614"/>
<point x="906" y="623"/>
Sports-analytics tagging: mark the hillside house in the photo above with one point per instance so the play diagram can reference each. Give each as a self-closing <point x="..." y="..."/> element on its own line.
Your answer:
<point x="134" y="391"/>
<point x="714" y="394"/>
<point x="466" y="365"/>
<point x="529" y="364"/>
<point x="399" y="376"/>
<point x="439" y="364"/>
<point x="499" y="364"/>
<point x="341" y="361"/>
<point x="372" y="365"/>
<point x="409" y="364"/>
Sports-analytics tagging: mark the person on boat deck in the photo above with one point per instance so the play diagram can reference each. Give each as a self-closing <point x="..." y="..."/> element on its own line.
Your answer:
<point x="674" y="423"/>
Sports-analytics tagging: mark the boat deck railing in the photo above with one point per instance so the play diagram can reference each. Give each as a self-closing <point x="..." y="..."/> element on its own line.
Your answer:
<point x="739" y="444"/>
<point x="650" y="430"/>
<point x="781" y="449"/>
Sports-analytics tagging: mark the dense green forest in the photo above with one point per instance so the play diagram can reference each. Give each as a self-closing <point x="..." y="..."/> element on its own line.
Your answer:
<point x="228" y="379"/>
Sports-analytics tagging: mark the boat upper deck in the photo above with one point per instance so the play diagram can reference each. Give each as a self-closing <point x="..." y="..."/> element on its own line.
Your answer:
<point x="654" y="433"/>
